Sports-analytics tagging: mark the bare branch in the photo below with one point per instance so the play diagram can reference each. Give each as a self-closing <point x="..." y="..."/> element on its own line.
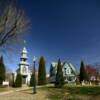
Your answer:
<point x="12" y="23"/>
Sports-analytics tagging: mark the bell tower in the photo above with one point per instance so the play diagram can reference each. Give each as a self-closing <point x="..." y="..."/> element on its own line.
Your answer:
<point x="24" y="65"/>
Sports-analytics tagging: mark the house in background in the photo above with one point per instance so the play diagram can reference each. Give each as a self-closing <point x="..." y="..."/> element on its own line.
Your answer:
<point x="92" y="72"/>
<point x="69" y="72"/>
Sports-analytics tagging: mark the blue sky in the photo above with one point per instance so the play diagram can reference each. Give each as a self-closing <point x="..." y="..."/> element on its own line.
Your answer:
<point x="66" y="29"/>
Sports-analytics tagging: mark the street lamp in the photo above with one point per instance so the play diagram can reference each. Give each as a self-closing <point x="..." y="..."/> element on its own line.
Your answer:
<point x="34" y="85"/>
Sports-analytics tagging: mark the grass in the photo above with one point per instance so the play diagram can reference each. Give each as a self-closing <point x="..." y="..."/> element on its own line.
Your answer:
<point x="5" y="88"/>
<point x="86" y="90"/>
<point x="73" y="93"/>
<point x="68" y="92"/>
<point x="2" y="89"/>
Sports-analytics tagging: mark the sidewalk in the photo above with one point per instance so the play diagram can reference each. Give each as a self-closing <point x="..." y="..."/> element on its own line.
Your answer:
<point x="20" y="89"/>
<point x="15" y="90"/>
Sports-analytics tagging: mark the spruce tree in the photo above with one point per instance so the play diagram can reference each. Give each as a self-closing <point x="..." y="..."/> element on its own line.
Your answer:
<point x="42" y="72"/>
<point x="18" y="81"/>
<point x="32" y="80"/>
<point x="83" y="74"/>
<point x="59" y="80"/>
<point x="2" y="70"/>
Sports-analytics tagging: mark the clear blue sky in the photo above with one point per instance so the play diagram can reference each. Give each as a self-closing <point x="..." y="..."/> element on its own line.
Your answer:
<point x="66" y="29"/>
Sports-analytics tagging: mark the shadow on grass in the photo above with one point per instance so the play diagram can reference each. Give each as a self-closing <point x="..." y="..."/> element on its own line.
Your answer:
<point x="28" y="92"/>
<point x="68" y="92"/>
<point x="71" y="92"/>
<point x="84" y="90"/>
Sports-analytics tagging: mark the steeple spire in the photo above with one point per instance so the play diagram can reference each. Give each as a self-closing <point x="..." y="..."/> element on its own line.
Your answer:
<point x="24" y="50"/>
<point x="23" y="62"/>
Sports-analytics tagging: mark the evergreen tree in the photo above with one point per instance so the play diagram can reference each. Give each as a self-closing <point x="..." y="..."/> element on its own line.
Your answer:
<point x="42" y="72"/>
<point x="18" y="81"/>
<point x="83" y="74"/>
<point x="32" y="80"/>
<point x="2" y="70"/>
<point x="51" y="71"/>
<point x="59" y="76"/>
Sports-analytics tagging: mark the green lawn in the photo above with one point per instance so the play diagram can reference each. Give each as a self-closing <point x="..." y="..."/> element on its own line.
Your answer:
<point x="73" y="93"/>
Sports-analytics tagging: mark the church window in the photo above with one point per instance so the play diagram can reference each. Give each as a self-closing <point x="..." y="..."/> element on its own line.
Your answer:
<point x="24" y="69"/>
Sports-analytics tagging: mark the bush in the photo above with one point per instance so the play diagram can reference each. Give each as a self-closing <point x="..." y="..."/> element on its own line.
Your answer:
<point x="18" y="81"/>
<point x="2" y="70"/>
<point x="77" y="81"/>
<point x="32" y="80"/>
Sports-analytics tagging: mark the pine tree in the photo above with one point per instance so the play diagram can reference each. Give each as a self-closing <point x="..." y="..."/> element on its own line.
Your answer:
<point x="32" y="80"/>
<point x="59" y="82"/>
<point x="42" y="72"/>
<point x="18" y="81"/>
<point x="2" y="70"/>
<point x="51" y="71"/>
<point x="83" y="74"/>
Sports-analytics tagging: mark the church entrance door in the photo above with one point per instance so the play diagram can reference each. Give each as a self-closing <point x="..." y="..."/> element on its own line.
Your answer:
<point x="23" y="79"/>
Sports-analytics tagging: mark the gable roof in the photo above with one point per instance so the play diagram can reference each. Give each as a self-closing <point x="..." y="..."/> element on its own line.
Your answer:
<point x="71" y="66"/>
<point x="54" y="64"/>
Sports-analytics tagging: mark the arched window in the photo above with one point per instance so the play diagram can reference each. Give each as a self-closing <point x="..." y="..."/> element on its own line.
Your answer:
<point x="24" y="69"/>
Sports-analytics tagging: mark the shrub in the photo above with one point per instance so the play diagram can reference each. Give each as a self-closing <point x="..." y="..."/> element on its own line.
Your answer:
<point x="32" y="80"/>
<point x="18" y="81"/>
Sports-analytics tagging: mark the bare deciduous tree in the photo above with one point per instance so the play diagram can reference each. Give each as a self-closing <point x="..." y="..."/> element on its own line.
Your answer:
<point x="12" y="24"/>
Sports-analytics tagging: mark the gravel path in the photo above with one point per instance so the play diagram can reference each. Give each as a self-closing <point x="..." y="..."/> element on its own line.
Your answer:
<point x="25" y="95"/>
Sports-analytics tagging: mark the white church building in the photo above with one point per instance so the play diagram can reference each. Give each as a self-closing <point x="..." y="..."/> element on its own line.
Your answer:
<point x="69" y="72"/>
<point x="24" y="68"/>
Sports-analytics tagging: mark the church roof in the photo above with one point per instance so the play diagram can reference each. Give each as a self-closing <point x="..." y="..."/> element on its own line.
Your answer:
<point x="54" y="64"/>
<point x="23" y="63"/>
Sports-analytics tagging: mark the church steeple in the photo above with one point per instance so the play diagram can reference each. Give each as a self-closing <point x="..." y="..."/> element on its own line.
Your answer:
<point x="24" y="50"/>
<point x="24" y="54"/>
<point x="23" y="65"/>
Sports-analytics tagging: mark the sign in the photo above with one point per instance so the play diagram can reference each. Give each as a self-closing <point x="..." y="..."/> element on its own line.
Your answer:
<point x="5" y="83"/>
